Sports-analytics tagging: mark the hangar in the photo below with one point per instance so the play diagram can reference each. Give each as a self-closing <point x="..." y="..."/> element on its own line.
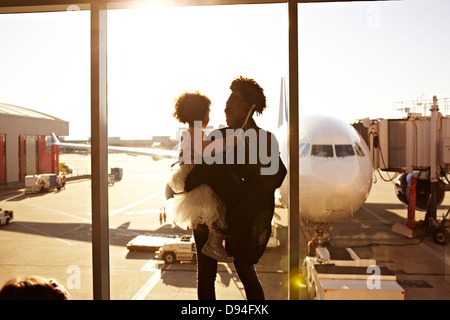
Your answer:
<point x="23" y="147"/>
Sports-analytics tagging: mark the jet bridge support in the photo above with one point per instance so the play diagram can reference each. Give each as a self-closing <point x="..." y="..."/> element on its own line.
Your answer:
<point x="417" y="149"/>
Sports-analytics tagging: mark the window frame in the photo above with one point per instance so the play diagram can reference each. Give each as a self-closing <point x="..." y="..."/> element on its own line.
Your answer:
<point x="99" y="162"/>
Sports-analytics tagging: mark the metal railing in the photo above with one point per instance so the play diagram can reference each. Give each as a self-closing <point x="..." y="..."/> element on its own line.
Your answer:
<point x="422" y="106"/>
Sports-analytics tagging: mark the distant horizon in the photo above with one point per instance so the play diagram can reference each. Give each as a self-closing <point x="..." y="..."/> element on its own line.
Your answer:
<point x="356" y="59"/>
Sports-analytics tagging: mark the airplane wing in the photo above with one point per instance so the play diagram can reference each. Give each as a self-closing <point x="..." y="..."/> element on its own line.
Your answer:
<point x="156" y="154"/>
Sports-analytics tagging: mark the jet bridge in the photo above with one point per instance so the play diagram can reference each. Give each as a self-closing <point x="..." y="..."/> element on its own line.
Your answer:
<point x="418" y="148"/>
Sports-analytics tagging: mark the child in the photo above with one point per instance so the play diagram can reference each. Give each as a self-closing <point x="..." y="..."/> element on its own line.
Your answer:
<point x="33" y="288"/>
<point x="201" y="205"/>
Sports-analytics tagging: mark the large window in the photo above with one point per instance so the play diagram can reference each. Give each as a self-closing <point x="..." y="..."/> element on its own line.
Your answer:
<point x="45" y="67"/>
<point x="154" y="55"/>
<point x="353" y="61"/>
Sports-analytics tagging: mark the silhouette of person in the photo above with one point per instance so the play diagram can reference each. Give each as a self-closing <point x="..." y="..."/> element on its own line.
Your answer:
<point x="248" y="195"/>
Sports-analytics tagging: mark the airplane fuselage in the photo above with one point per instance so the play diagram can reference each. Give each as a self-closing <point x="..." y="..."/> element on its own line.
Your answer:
<point x="335" y="169"/>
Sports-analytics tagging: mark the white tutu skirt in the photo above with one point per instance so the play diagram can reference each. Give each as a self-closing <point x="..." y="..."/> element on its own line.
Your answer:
<point x="201" y="205"/>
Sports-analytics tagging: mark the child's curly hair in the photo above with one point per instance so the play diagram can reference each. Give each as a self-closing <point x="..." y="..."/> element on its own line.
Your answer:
<point x="251" y="92"/>
<point x="33" y="288"/>
<point x="191" y="106"/>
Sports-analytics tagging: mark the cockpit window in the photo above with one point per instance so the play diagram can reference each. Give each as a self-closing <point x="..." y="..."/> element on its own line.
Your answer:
<point x="358" y="150"/>
<point x="322" y="150"/>
<point x="304" y="149"/>
<point x="344" y="150"/>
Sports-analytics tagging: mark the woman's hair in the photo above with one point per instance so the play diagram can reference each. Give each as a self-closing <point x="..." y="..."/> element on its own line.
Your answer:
<point x="190" y="107"/>
<point x="250" y="92"/>
<point x="33" y="288"/>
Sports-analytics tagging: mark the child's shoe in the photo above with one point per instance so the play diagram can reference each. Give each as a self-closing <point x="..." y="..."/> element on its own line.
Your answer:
<point x="213" y="247"/>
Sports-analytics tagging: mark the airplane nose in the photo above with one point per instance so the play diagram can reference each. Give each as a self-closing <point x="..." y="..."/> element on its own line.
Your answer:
<point x="339" y="176"/>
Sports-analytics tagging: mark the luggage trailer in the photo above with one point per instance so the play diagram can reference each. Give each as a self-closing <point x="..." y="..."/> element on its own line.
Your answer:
<point x="339" y="274"/>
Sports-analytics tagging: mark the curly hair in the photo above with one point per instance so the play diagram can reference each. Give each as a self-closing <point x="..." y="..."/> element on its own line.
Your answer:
<point x="191" y="106"/>
<point x="251" y="92"/>
<point x="33" y="288"/>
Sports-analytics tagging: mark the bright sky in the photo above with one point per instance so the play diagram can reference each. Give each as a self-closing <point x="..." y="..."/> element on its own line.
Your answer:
<point x="356" y="60"/>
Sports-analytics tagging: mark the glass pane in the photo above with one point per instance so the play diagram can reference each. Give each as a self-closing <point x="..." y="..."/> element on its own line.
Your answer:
<point x="372" y="60"/>
<point x="45" y="88"/>
<point x="344" y="150"/>
<point x="305" y="151"/>
<point x="154" y="55"/>
<point x="320" y="150"/>
<point x="358" y="150"/>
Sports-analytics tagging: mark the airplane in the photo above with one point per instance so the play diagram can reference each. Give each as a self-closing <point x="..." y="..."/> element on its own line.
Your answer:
<point x="155" y="153"/>
<point x="335" y="169"/>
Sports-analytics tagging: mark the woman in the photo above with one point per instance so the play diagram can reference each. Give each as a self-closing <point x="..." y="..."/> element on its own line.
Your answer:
<point x="248" y="195"/>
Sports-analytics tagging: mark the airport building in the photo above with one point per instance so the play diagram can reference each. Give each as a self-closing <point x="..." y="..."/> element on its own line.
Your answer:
<point x="23" y="147"/>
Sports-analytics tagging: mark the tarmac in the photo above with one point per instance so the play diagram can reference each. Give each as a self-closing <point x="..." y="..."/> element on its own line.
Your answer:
<point x="51" y="236"/>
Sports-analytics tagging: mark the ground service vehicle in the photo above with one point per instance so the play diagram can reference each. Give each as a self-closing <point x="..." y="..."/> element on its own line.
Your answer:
<point x="5" y="216"/>
<point x="181" y="249"/>
<point x="42" y="182"/>
<point x="335" y="273"/>
<point x="148" y="242"/>
<point x="65" y="169"/>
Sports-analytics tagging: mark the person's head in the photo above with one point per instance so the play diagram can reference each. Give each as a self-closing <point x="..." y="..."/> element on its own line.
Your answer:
<point x="33" y="288"/>
<point x="191" y="107"/>
<point x="245" y="93"/>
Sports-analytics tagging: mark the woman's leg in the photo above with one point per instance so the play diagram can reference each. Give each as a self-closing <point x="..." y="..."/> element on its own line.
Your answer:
<point x="206" y="266"/>
<point x="250" y="280"/>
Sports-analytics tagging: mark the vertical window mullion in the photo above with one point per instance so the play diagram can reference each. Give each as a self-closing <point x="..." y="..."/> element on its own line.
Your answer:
<point x="293" y="151"/>
<point x="99" y="155"/>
